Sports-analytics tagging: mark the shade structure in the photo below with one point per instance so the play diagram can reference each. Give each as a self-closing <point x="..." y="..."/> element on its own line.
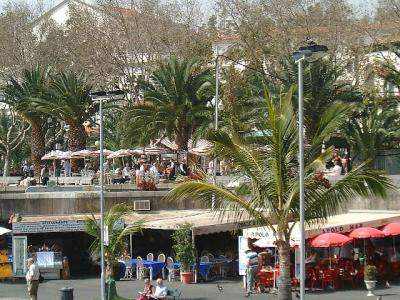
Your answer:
<point x="154" y="150"/>
<point x="365" y="233"/>
<point x="81" y="154"/>
<point x="120" y="153"/>
<point x="330" y="240"/>
<point x="392" y="229"/>
<point x="106" y="152"/>
<point x="4" y="230"/>
<point x="56" y="154"/>
<point x="136" y="152"/>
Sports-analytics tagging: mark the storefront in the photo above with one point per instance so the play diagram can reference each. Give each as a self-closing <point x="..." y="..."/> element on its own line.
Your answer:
<point x="57" y="243"/>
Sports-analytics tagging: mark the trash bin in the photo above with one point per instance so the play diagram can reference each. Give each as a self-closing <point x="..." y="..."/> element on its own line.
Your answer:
<point x="111" y="289"/>
<point x="67" y="293"/>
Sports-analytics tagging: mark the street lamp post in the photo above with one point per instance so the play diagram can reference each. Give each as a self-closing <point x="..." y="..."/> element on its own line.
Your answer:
<point x="103" y="96"/>
<point x="310" y="52"/>
<point x="216" y="112"/>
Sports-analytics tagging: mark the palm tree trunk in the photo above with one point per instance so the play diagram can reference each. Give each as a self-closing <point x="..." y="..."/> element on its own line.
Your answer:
<point x="182" y="137"/>
<point x="37" y="146"/>
<point x="284" y="281"/>
<point x="76" y="141"/>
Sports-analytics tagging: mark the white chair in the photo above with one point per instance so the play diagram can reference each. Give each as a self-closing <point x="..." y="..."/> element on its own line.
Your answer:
<point x="141" y="269"/>
<point x="204" y="258"/>
<point x="172" y="271"/>
<point x="210" y="257"/>
<point x="150" y="257"/>
<point x="161" y="258"/>
<point x="128" y="267"/>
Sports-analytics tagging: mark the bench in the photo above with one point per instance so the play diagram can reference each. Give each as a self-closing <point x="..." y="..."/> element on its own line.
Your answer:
<point x="173" y="294"/>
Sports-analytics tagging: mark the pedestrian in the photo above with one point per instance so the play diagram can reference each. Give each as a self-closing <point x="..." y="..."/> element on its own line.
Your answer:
<point x="32" y="278"/>
<point x="251" y="271"/>
<point x="44" y="174"/>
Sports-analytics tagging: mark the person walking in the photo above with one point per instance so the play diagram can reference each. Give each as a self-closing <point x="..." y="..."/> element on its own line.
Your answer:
<point x="251" y="270"/>
<point x="32" y="278"/>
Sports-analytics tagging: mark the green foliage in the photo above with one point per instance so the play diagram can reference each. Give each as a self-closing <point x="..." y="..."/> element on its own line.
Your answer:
<point x="370" y="273"/>
<point x="373" y="128"/>
<point x="183" y="246"/>
<point x="273" y="179"/>
<point x="116" y="236"/>
<point x="175" y="101"/>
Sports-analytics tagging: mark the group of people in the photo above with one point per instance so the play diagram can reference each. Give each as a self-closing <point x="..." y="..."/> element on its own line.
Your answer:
<point x="151" y="293"/>
<point x="339" y="165"/>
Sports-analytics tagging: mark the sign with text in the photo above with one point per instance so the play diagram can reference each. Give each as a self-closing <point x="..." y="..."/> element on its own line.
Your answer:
<point x="55" y="226"/>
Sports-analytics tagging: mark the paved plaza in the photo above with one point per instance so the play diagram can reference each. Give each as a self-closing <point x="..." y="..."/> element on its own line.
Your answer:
<point x="88" y="289"/>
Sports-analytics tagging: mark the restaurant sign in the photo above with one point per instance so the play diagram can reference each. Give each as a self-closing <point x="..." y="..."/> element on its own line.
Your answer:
<point x="54" y="226"/>
<point x="49" y="226"/>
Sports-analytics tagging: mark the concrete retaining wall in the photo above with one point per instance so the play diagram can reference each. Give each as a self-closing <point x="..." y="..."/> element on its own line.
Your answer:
<point x="79" y="199"/>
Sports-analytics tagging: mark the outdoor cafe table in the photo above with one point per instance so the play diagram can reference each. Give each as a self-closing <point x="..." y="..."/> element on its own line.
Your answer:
<point x="155" y="267"/>
<point x="204" y="268"/>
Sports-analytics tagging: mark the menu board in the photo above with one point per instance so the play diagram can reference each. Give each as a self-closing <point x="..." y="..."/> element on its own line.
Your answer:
<point x="20" y="255"/>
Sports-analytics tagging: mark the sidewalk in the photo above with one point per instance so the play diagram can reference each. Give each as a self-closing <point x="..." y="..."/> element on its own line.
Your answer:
<point x="88" y="289"/>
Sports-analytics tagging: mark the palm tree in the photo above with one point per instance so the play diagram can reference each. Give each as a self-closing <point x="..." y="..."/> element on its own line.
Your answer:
<point x="68" y="99"/>
<point x="373" y="129"/>
<point x="322" y="87"/>
<point x="272" y="175"/>
<point x="116" y="235"/>
<point x="175" y="101"/>
<point x="20" y="95"/>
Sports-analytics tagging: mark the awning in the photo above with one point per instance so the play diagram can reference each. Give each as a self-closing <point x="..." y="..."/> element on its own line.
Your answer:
<point x="202" y="221"/>
<point x="342" y="223"/>
<point x="4" y="230"/>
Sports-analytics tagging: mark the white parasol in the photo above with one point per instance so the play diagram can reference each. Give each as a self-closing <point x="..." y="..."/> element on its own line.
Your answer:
<point x="82" y="154"/>
<point x="106" y="152"/>
<point x="4" y="230"/>
<point x="56" y="154"/>
<point x="120" y="153"/>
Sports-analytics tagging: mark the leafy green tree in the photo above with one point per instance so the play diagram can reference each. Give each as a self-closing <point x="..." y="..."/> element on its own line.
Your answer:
<point x="175" y="101"/>
<point x="322" y="87"/>
<point x="272" y="175"/>
<point x="116" y="235"/>
<point x="20" y="95"/>
<point x="374" y="128"/>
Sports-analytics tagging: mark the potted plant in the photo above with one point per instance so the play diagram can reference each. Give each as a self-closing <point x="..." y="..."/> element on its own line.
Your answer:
<point x="184" y="250"/>
<point x="370" y="272"/>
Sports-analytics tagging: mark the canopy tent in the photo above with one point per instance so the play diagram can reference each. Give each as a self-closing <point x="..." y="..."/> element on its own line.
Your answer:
<point x="342" y="223"/>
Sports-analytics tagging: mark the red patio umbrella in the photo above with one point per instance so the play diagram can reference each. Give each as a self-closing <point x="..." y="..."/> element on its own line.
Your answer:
<point x="365" y="233"/>
<point x="330" y="240"/>
<point x="392" y="229"/>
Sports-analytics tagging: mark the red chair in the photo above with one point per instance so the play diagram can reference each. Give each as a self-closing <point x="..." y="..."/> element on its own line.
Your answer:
<point x="264" y="280"/>
<point x="312" y="276"/>
<point x="329" y="277"/>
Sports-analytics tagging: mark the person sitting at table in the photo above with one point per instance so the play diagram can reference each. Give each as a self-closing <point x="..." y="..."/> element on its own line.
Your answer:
<point x="126" y="171"/>
<point x="161" y="291"/>
<point x="312" y="258"/>
<point x="148" y="288"/>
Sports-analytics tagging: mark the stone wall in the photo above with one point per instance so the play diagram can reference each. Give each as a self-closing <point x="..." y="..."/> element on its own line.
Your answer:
<point x="86" y="199"/>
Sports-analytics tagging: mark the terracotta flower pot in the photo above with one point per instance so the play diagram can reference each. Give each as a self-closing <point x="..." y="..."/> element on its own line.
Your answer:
<point x="186" y="277"/>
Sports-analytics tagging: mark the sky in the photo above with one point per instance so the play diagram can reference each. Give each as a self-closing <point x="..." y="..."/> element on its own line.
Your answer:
<point x="364" y="5"/>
